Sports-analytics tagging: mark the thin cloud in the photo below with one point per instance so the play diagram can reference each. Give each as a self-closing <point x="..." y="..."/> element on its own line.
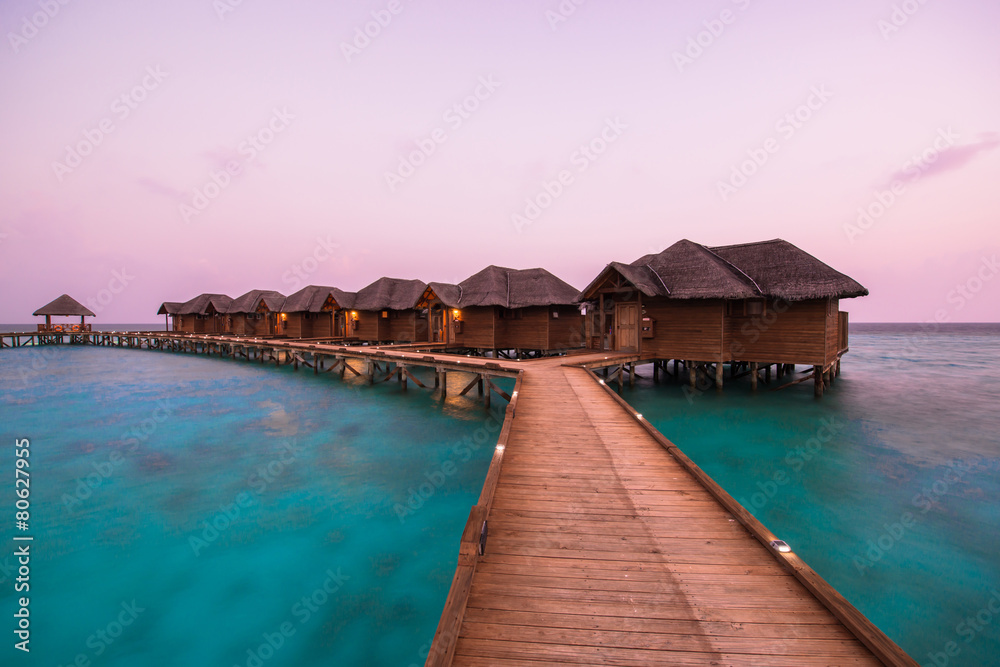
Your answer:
<point x="949" y="159"/>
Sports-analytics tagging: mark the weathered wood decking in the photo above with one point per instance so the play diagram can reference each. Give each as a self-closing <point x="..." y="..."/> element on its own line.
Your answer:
<point x="604" y="549"/>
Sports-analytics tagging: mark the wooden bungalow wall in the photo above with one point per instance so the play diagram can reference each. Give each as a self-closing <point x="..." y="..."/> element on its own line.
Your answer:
<point x="565" y="331"/>
<point x="689" y="329"/>
<point x="308" y="325"/>
<point x="788" y="332"/>
<point x="371" y="327"/>
<point x="242" y="326"/>
<point x="528" y="330"/>
<point x="478" y="329"/>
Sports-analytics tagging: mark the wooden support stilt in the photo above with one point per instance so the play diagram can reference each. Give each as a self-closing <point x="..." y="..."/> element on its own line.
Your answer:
<point x="403" y="375"/>
<point x="818" y="381"/>
<point x="479" y="385"/>
<point x="631" y="373"/>
<point x="486" y="397"/>
<point x="720" y="369"/>
<point x="692" y="373"/>
<point x="469" y="386"/>
<point x="753" y="375"/>
<point x="444" y="383"/>
<point x="767" y="374"/>
<point x="656" y="372"/>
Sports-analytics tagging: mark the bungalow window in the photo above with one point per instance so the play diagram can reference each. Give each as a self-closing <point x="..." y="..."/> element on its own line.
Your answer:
<point x="745" y="308"/>
<point x="385" y="314"/>
<point x="511" y="314"/>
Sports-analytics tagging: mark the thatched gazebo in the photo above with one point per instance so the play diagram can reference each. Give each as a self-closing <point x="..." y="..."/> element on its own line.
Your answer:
<point x="64" y="306"/>
<point x="170" y="309"/>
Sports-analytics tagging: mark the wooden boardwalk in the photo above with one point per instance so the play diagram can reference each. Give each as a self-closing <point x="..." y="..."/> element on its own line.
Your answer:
<point x="603" y="549"/>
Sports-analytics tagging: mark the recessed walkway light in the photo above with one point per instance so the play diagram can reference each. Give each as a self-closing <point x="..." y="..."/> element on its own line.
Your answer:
<point x="780" y="546"/>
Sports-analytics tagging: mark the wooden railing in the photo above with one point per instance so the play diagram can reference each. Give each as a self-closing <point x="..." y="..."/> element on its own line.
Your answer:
<point x="64" y="328"/>
<point x="471" y="547"/>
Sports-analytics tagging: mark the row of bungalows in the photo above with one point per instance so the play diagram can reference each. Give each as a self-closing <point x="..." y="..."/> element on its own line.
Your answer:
<point x="757" y="303"/>
<point x="498" y="308"/>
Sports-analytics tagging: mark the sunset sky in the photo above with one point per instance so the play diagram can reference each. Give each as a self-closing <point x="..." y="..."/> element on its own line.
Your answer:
<point x="152" y="151"/>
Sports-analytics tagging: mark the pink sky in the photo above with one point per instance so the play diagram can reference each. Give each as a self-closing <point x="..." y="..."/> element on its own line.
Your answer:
<point x="311" y="130"/>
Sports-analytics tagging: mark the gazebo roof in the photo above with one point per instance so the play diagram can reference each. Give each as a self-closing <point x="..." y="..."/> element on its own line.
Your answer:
<point x="64" y="305"/>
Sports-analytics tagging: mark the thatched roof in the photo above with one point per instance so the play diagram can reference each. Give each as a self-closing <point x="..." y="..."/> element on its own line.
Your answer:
<point x="200" y="304"/>
<point x="311" y="299"/>
<point x="170" y="308"/>
<point x="515" y="288"/>
<point x="390" y="294"/>
<point x="64" y="305"/>
<point x="775" y="269"/>
<point x="248" y="303"/>
<point x="785" y="271"/>
<point x="449" y="294"/>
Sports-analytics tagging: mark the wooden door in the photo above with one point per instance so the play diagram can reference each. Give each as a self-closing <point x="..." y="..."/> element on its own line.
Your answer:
<point x="627" y="327"/>
<point x="437" y="325"/>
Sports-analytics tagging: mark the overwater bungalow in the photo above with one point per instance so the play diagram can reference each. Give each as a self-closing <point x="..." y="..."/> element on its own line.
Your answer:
<point x="517" y="312"/>
<point x="256" y="313"/>
<point x="393" y="310"/>
<point x="64" y="306"/>
<point x="754" y="304"/>
<point x="206" y="313"/>
<point x="317" y="311"/>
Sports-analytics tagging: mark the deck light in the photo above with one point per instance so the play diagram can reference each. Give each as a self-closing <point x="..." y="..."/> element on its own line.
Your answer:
<point x="500" y="448"/>
<point x="638" y="415"/>
<point x="601" y="381"/>
<point x="780" y="546"/>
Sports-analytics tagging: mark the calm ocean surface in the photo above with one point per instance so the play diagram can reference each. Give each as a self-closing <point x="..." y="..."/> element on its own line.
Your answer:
<point x="196" y="511"/>
<point x="889" y="486"/>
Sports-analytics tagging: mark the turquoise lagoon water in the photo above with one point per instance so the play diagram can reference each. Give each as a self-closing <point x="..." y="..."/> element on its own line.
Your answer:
<point x="889" y="487"/>
<point x="196" y="511"/>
